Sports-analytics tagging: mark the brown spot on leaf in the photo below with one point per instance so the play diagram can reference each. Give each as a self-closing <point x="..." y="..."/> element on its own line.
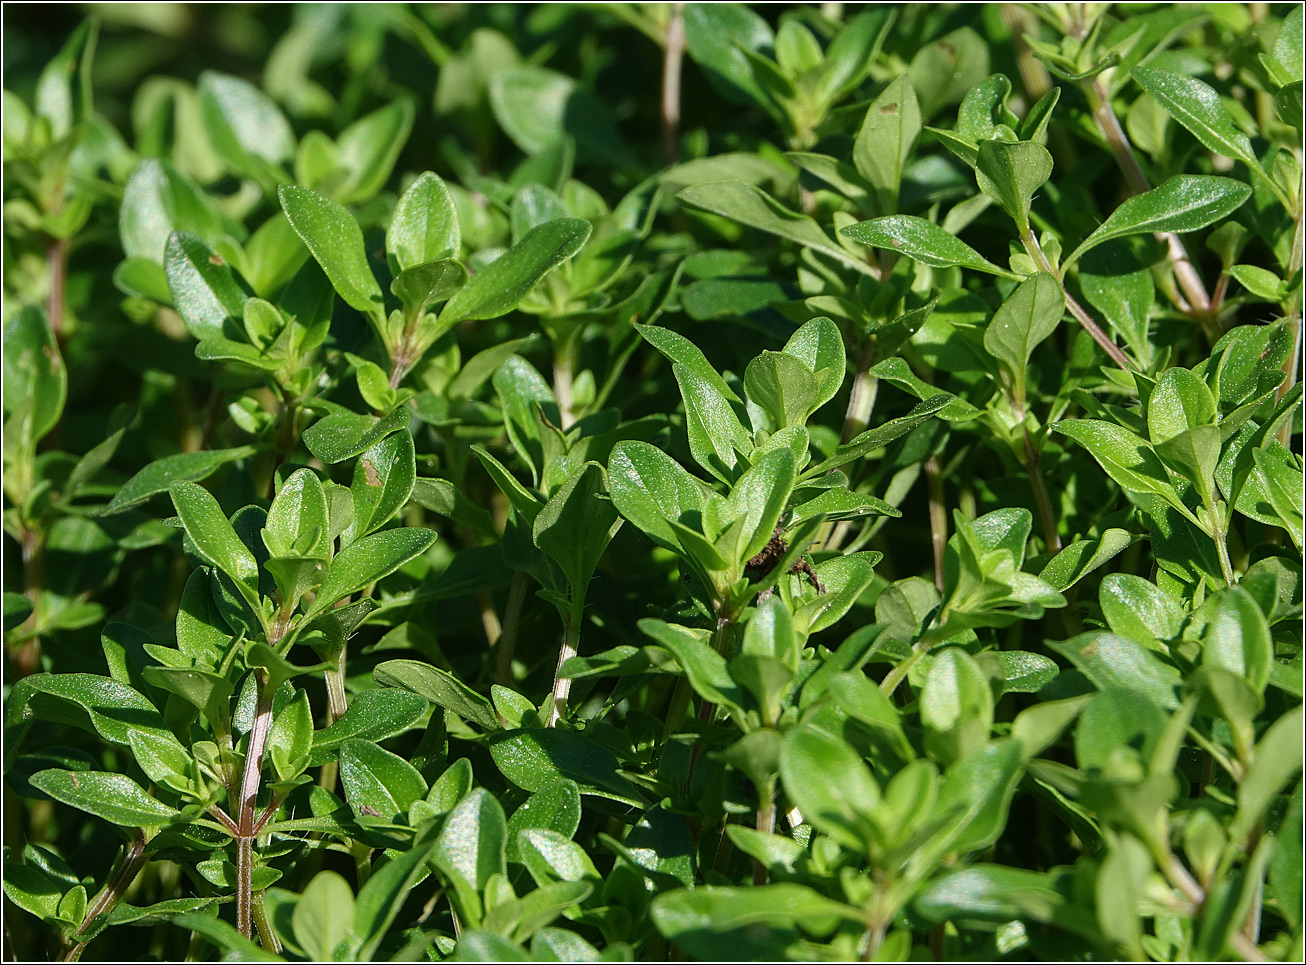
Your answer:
<point x="216" y="260"/>
<point x="370" y="811"/>
<point x="370" y="474"/>
<point x="73" y="776"/>
<point x="889" y="109"/>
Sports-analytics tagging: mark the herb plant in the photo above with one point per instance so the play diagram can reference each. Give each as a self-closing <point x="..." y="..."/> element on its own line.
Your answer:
<point x="653" y="481"/>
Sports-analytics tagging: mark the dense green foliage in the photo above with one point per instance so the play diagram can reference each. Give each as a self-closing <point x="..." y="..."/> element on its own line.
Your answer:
<point x="647" y="481"/>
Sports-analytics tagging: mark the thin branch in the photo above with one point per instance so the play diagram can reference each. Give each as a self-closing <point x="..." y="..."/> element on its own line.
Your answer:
<point x="938" y="517"/>
<point x="673" y="55"/>
<point x="1046" y="515"/>
<point x="1198" y="302"/>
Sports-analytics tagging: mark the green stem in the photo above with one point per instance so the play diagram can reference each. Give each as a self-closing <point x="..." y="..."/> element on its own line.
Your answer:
<point x="938" y="517"/>
<point x="1048" y="518"/>
<point x="507" y="641"/>
<point x="267" y="936"/>
<point x="570" y="647"/>
<point x="1085" y="320"/>
<point x="337" y="702"/>
<point x="133" y="860"/>
<point x="766" y="825"/>
<point x="903" y="667"/>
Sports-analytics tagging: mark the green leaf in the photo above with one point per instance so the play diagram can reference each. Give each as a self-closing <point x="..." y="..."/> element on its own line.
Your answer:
<point x="1197" y="107"/>
<point x="384" y="477"/>
<point x="885" y="139"/>
<point x="920" y="240"/>
<point x="367" y="560"/>
<point x="115" y="797"/>
<point x="681" y="351"/>
<point x="439" y="687"/>
<point x="716" y="36"/>
<point x="956" y="706"/>
<point x="818" y="344"/>
<point x="297" y="520"/>
<point x="1237" y="638"/>
<point x="1011" y="172"/>
<point x="879" y="437"/>
<point x="323" y="916"/>
<point x="714" y="923"/>
<point x="343" y="434"/>
<point x="1081" y="557"/>
<point x="159" y="200"/>
<point x="382" y="898"/>
<point x="1278" y="757"/>
<point x="705" y="668"/>
<point x="291" y="738"/>
<point x="245" y="125"/>
<point x="750" y="205"/>
<point x="717" y="437"/>
<point x="421" y="286"/>
<point x="555" y="807"/>
<point x="1030" y="315"/>
<point x="203" y="287"/>
<point x="367" y="150"/>
<point x="830" y="784"/>
<point x="1185" y="202"/>
<point x="215" y="540"/>
<point x="224" y="936"/>
<point x="162" y="474"/>
<point x="333" y="237"/>
<point x="373" y="715"/>
<point x="500" y="286"/>
<point x="424" y="227"/>
<point x="1280" y="475"/>
<point x="378" y="783"/>
<point x="1127" y="459"/>
<point x="783" y="386"/>
<point x="576" y="524"/>
<point x="35" y="379"/>
<point x="652" y="490"/>
<point x="1110" y="660"/>
<point x="1117" y="721"/>
<point x="1139" y="609"/>
<point x="534" y="759"/>
<point x="758" y="499"/>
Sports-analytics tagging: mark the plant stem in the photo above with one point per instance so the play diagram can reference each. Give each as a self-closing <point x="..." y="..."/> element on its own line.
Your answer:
<point x="1085" y="320"/>
<point x="1048" y="518"/>
<point x="903" y="667"/>
<point x="27" y="657"/>
<point x="133" y="860"/>
<point x="860" y="402"/>
<point x="507" y="641"/>
<point x="1180" y="878"/>
<point x="673" y="55"/>
<point x="569" y="648"/>
<point x="249" y="788"/>
<point x="337" y="702"/>
<point x="562" y="383"/>
<point x="1099" y="101"/>
<point x="56" y="258"/>
<point x="266" y="936"/>
<point x="938" y="517"/>
<point x="766" y="825"/>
